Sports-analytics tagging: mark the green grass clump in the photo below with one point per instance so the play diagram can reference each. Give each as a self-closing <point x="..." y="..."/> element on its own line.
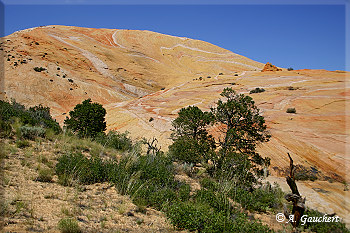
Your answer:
<point x="148" y="179"/>
<point x="5" y="129"/>
<point x="69" y="225"/>
<point x="81" y="169"/>
<point x="115" y="140"/>
<point x="216" y="200"/>
<point x="44" y="175"/>
<point x="72" y="144"/>
<point x="22" y="143"/>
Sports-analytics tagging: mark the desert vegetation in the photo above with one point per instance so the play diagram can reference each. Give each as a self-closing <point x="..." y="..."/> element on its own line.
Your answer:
<point x="225" y="166"/>
<point x="291" y="110"/>
<point x="257" y="90"/>
<point x="39" y="69"/>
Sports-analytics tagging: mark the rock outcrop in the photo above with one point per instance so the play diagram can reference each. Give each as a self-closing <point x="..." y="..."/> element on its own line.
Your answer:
<point x="269" y="67"/>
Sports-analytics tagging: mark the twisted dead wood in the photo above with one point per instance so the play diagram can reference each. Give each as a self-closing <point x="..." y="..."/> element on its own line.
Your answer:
<point x="295" y="197"/>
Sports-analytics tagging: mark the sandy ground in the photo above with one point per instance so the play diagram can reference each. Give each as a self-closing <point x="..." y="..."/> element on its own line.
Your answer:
<point x="30" y="205"/>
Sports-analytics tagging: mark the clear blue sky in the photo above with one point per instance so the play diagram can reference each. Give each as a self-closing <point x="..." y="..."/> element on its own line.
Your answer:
<point x="298" y="36"/>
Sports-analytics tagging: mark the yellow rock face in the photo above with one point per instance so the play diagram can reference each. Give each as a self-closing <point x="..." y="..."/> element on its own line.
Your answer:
<point x="106" y="65"/>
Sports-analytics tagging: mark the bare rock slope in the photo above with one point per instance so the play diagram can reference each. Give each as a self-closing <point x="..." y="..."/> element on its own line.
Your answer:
<point x="106" y="65"/>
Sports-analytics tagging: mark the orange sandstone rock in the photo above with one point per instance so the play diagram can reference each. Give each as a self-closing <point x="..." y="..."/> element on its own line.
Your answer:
<point x="269" y="67"/>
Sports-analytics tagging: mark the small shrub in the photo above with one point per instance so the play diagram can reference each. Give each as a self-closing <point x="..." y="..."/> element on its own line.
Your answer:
<point x="141" y="209"/>
<point x="208" y="183"/>
<point x="221" y="74"/>
<point x="29" y="132"/>
<point x="209" y="77"/>
<point x="216" y="200"/>
<point x="304" y="173"/>
<point x="116" y="140"/>
<point x="305" y="176"/>
<point x="22" y="143"/>
<point x="290" y="69"/>
<point x="139" y="221"/>
<point x="39" y="69"/>
<point x="190" y="216"/>
<point x="45" y="175"/>
<point x="236" y="74"/>
<point x="20" y="205"/>
<point x="196" y="216"/>
<point x="151" y="119"/>
<point x="257" y="90"/>
<point x="261" y="199"/>
<point x="148" y="179"/>
<point x="70" y="80"/>
<point x="69" y="225"/>
<point x="152" y="194"/>
<point x="5" y="129"/>
<point x="76" y="167"/>
<point x="184" y="192"/>
<point x="66" y="180"/>
<point x="291" y="110"/>
<point x="323" y="226"/>
<point x="50" y="134"/>
<point x="34" y="116"/>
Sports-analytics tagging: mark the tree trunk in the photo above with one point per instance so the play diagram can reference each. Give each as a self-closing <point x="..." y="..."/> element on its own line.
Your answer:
<point x="296" y="199"/>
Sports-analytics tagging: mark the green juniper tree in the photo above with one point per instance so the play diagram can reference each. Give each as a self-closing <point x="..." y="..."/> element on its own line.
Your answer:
<point x="231" y="155"/>
<point x="242" y="128"/>
<point x="87" y="119"/>
<point x="192" y="143"/>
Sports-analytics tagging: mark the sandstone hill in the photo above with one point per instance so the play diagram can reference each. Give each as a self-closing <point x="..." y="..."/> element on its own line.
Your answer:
<point x="144" y="78"/>
<point x="106" y="65"/>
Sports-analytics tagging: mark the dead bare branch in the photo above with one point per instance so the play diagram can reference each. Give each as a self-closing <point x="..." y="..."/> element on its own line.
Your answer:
<point x="295" y="197"/>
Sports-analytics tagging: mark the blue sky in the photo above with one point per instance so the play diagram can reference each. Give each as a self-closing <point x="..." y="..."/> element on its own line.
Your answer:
<point x="298" y="35"/>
